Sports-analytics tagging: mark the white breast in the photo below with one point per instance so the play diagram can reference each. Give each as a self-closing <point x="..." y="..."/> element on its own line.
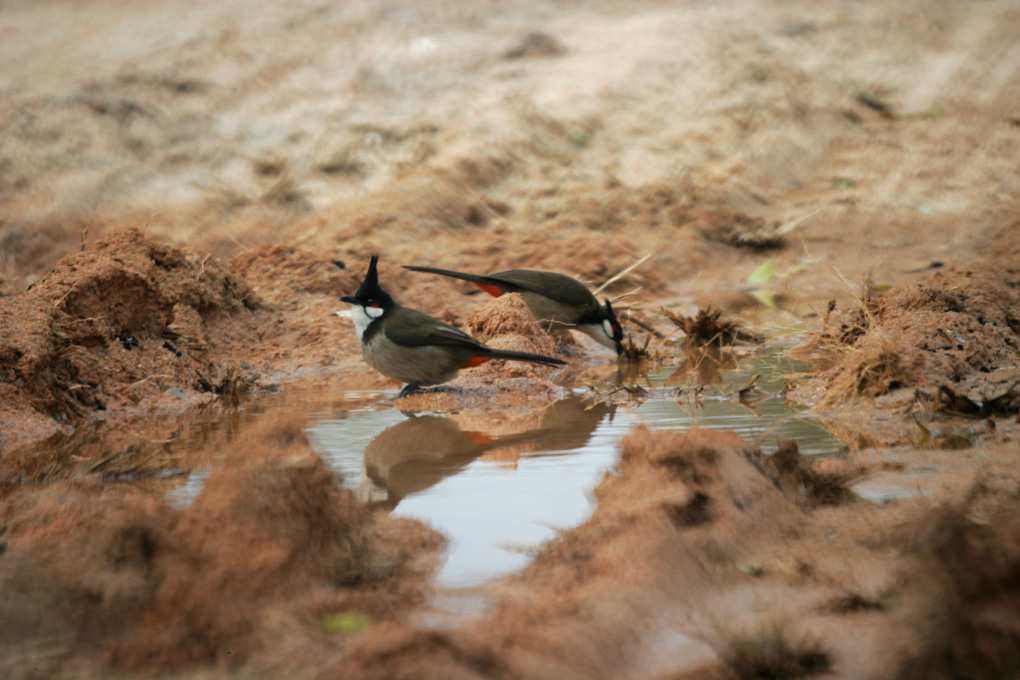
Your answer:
<point x="362" y="317"/>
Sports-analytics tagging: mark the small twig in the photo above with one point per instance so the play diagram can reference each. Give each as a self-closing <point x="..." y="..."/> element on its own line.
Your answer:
<point x="145" y="227"/>
<point x="69" y="291"/>
<point x="796" y="222"/>
<point x="154" y="375"/>
<point x="619" y="276"/>
<point x="201" y="269"/>
<point x="624" y="296"/>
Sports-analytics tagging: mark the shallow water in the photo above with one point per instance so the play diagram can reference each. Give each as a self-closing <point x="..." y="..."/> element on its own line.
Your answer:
<point x="497" y="509"/>
<point x="494" y="513"/>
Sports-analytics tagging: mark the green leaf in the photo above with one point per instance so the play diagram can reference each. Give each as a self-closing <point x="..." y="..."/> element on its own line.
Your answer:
<point x="764" y="296"/>
<point x="347" y="623"/>
<point x="750" y="569"/>
<point x="581" y="139"/>
<point x="844" y="183"/>
<point x="763" y="274"/>
<point x="925" y="432"/>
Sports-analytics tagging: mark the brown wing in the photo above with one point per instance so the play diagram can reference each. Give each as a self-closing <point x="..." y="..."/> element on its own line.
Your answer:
<point x="411" y="328"/>
<point x="558" y="287"/>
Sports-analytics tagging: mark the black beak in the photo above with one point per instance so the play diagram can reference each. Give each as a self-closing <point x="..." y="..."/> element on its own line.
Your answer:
<point x="349" y="299"/>
<point x="619" y="348"/>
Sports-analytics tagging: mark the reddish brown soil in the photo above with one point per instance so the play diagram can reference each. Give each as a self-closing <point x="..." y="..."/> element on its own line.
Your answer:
<point x="175" y="185"/>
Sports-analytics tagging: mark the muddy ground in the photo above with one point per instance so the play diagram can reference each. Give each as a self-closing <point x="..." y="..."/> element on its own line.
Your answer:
<point x="175" y="179"/>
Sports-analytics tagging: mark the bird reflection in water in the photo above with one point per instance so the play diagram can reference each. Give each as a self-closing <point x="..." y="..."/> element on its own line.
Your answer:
<point x="420" y="452"/>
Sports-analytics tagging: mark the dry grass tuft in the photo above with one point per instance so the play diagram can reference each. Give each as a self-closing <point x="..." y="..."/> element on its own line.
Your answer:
<point x="848" y="326"/>
<point x="871" y="370"/>
<point x="705" y="328"/>
<point x="869" y="363"/>
<point x="633" y="351"/>
<point x="771" y="651"/>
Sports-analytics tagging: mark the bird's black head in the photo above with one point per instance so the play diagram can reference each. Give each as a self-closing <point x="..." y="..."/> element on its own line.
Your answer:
<point x="370" y="295"/>
<point x="612" y="327"/>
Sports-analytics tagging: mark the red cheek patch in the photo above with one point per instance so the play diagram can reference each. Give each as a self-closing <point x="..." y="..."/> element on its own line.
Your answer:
<point x="490" y="289"/>
<point x="475" y="361"/>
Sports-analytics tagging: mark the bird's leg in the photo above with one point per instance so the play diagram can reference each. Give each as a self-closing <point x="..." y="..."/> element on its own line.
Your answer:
<point x="408" y="390"/>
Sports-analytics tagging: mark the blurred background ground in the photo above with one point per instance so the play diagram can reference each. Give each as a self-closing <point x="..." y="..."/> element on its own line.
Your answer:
<point x="571" y="135"/>
<point x="857" y="146"/>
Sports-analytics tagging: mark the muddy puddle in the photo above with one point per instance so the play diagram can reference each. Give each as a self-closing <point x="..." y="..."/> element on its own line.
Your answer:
<point x="498" y="497"/>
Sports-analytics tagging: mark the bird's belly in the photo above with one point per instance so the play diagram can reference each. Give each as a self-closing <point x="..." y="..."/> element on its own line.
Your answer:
<point x="550" y="313"/>
<point x="425" y="365"/>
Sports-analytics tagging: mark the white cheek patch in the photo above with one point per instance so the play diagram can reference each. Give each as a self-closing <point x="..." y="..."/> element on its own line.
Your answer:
<point x="363" y="316"/>
<point x="608" y="328"/>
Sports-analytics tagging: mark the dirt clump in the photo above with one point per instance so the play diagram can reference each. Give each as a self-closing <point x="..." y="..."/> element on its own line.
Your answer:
<point x="299" y="329"/>
<point x="261" y="533"/>
<point x="77" y="569"/>
<point x="963" y="598"/>
<point x="939" y="332"/>
<point x="269" y="542"/>
<point x="280" y="273"/>
<point x="126" y="320"/>
<point x="507" y="323"/>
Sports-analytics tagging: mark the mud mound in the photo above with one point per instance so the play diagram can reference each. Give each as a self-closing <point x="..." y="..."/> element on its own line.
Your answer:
<point x="943" y="331"/>
<point x="260" y="533"/>
<point x="270" y="541"/>
<point x="77" y="570"/>
<point x="125" y="320"/>
<point x="507" y="323"/>
<point x="278" y="273"/>
<point x="966" y="593"/>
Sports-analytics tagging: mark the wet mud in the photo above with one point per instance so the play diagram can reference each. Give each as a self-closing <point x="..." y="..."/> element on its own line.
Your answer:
<point x="201" y="478"/>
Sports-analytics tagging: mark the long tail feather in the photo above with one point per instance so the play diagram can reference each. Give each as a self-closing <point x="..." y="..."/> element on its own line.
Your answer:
<point x="473" y="278"/>
<point x="527" y="356"/>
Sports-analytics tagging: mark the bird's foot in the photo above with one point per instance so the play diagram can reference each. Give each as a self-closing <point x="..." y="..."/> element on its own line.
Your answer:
<point x="409" y="389"/>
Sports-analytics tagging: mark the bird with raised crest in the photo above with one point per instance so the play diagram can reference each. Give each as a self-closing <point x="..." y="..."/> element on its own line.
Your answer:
<point x="411" y="346"/>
